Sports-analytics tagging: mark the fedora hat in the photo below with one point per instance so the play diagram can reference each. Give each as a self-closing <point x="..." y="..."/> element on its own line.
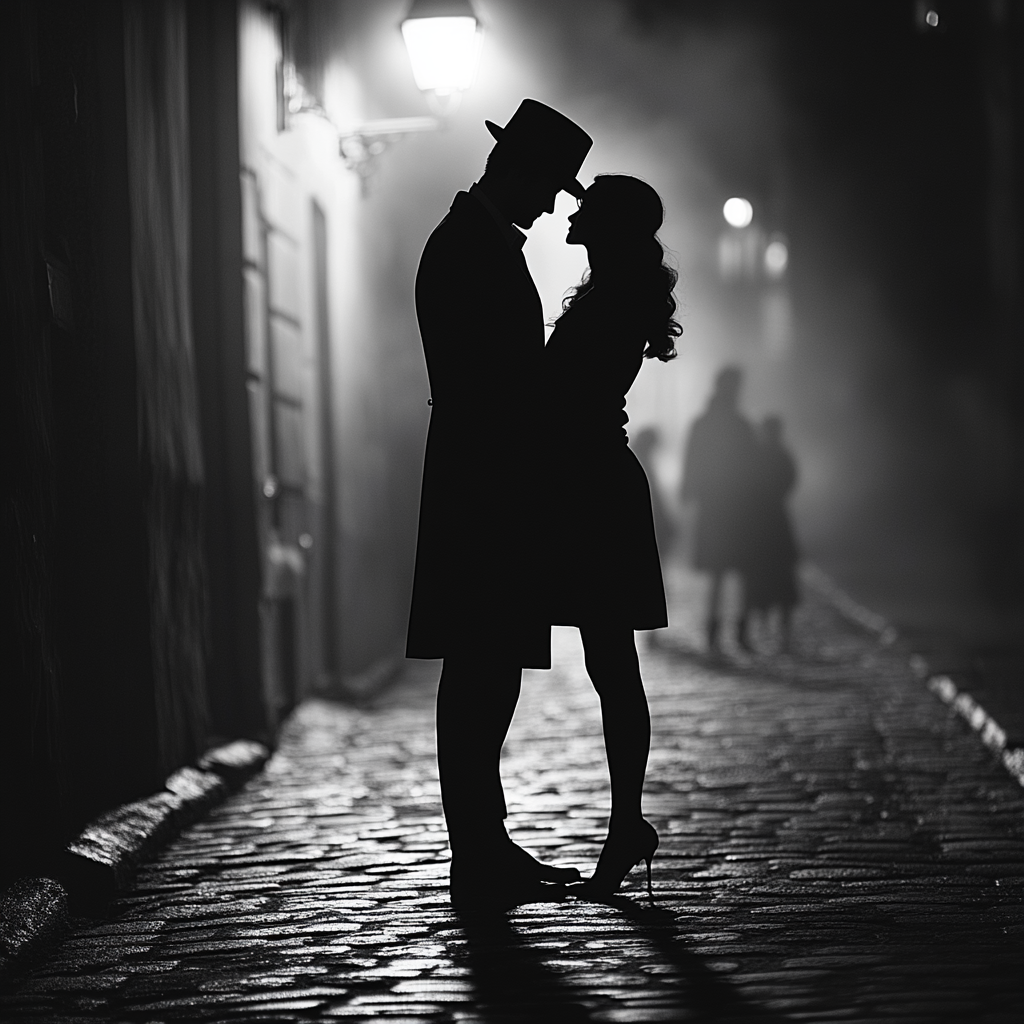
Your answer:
<point x="555" y="142"/>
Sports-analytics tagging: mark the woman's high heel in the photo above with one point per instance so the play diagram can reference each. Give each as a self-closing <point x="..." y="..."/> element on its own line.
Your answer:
<point x="623" y="850"/>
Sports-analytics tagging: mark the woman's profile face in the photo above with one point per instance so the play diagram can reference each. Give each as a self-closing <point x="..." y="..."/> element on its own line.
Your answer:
<point x="577" y="231"/>
<point x="585" y="224"/>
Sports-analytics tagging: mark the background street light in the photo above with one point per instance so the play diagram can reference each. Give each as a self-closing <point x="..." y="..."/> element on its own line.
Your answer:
<point x="738" y="212"/>
<point x="776" y="258"/>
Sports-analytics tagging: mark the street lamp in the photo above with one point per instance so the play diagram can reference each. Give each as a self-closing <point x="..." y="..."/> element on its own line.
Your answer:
<point x="443" y="38"/>
<point x="776" y="257"/>
<point x="739" y="247"/>
<point x="757" y="262"/>
<point x="738" y="212"/>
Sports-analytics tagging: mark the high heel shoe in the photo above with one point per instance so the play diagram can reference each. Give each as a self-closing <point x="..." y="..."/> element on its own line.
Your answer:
<point x="623" y="850"/>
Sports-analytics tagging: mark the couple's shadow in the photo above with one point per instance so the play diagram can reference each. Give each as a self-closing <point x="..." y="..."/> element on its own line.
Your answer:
<point x="518" y="978"/>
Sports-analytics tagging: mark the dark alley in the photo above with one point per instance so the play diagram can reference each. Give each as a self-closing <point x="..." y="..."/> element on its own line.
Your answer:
<point x="513" y="511"/>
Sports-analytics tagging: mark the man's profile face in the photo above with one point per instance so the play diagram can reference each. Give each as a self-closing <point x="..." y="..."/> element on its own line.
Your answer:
<point x="534" y="194"/>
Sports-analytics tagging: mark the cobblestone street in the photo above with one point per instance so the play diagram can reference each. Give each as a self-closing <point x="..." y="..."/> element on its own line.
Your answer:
<point x="836" y="845"/>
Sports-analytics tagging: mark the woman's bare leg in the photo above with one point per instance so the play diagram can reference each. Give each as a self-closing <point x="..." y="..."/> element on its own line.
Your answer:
<point x="613" y="667"/>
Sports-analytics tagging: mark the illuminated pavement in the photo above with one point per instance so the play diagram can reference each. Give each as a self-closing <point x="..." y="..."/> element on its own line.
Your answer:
<point x="836" y="846"/>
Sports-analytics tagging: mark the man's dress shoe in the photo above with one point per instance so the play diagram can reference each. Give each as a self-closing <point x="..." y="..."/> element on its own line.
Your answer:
<point x="502" y="876"/>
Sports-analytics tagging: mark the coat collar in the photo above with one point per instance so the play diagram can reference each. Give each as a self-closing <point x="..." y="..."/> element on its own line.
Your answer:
<point x="512" y="235"/>
<point x="466" y="205"/>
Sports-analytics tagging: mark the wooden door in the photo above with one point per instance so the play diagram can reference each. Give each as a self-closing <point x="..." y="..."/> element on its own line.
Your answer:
<point x="278" y="384"/>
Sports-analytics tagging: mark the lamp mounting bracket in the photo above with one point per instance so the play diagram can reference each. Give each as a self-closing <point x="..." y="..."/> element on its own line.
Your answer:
<point x="361" y="145"/>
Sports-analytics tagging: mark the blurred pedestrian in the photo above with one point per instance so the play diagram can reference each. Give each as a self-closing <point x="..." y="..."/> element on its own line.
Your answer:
<point x="771" y="584"/>
<point x="720" y="465"/>
<point x="604" y="569"/>
<point x="479" y="554"/>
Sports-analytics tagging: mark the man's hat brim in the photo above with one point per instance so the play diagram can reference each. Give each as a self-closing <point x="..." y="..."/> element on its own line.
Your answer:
<point x="571" y="184"/>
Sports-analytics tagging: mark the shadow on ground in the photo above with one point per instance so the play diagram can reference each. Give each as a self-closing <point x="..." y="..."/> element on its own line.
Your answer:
<point x="515" y="978"/>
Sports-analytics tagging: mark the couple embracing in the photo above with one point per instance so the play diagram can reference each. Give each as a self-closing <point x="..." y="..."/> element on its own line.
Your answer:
<point x="533" y="511"/>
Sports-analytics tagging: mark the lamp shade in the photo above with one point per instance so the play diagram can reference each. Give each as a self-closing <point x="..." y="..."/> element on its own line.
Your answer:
<point x="443" y="39"/>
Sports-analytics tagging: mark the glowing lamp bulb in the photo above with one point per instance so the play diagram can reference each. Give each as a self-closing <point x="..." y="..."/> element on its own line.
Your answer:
<point x="776" y="258"/>
<point x="738" y="212"/>
<point x="443" y="39"/>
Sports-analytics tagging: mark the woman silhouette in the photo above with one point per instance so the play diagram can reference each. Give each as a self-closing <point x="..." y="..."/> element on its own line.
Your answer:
<point x="605" y="574"/>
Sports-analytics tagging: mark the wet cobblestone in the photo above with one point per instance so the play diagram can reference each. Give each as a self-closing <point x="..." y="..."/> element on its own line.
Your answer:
<point x="836" y="846"/>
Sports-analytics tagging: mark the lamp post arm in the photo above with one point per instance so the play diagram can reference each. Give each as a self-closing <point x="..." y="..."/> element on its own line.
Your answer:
<point x="361" y="145"/>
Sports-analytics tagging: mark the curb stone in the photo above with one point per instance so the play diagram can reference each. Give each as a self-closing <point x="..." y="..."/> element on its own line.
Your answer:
<point x="367" y="684"/>
<point x="101" y="861"/>
<point x="853" y="611"/>
<point x="991" y="733"/>
<point x="33" y="915"/>
<point x="198" y="790"/>
<point x="235" y="762"/>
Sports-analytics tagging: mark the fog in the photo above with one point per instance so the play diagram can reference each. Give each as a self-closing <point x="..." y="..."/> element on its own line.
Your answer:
<point x="216" y="406"/>
<point x="901" y="440"/>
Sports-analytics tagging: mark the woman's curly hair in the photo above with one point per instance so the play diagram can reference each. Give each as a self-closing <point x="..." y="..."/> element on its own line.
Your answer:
<point x="632" y="213"/>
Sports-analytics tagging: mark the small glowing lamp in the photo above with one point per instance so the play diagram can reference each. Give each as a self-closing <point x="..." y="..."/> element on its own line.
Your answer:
<point x="926" y="16"/>
<point x="776" y="258"/>
<point x="443" y="38"/>
<point x="738" y="212"/>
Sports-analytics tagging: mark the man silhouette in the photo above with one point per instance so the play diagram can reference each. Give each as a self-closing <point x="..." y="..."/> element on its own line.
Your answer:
<point x="719" y="467"/>
<point x="476" y="589"/>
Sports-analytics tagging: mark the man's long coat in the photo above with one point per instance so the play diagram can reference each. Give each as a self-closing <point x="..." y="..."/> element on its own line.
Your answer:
<point x="477" y="579"/>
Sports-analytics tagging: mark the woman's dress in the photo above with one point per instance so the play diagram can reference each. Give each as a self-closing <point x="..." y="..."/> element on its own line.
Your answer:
<point x="602" y="553"/>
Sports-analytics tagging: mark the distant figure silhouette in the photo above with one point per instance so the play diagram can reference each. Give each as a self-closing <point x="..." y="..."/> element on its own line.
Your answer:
<point x="644" y="445"/>
<point x="721" y="457"/>
<point x="603" y="567"/>
<point x="476" y="590"/>
<point x="771" y="584"/>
